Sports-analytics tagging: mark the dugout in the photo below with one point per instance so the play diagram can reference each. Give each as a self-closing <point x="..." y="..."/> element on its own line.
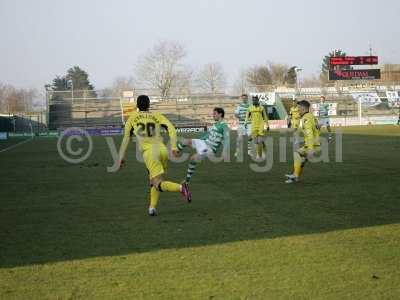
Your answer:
<point x="6" y="124"/>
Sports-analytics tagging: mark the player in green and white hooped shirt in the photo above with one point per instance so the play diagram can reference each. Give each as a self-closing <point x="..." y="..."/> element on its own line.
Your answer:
<point x="211" y="142"/>
<point x="240" y="114"/>
<point x="323" y="119"/>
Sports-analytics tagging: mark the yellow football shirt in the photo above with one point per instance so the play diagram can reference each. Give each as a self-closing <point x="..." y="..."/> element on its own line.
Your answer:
<point x="147" y="126"/>
<point x="308" y="126"/>
<point x="257" y="115"/>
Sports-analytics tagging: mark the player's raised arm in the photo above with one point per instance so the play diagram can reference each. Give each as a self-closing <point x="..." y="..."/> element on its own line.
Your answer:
<point x="265" y="117"/>
<point x="128" y="132"/>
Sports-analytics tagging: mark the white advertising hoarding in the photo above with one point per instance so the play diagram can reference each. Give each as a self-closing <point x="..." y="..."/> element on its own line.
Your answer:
<point x="332" y="109"/>
<point x="367" y="99"/>
<point x="265" y="98"/>
<point x="393" y="98"/>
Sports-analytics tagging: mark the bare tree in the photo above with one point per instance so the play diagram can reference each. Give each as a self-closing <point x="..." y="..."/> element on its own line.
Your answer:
<point x="310" y="82"/>
<point x="3" y="96"/>
<point x="211" y="78"/>
<point x="122" y="84"/>
<point x="278" y="72"/>
<point x="161" y="66"/>
<point x="13" y="100"/>
<point x="30" y="99"/>
<point x="259" y="77"/>
<point x="241" y="84"/>
<point x="184" y="79"/>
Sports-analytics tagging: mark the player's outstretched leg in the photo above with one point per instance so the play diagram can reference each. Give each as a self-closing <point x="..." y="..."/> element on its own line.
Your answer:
<point x="168" y="186"/>
<point x="194" y="160"/>
<point x="158" y="185"/>
<point x="182" y="144"/>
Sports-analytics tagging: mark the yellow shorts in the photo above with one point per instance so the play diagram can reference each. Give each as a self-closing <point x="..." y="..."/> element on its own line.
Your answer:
<point x="257" y="131"/>
<point x="156" y="159"/>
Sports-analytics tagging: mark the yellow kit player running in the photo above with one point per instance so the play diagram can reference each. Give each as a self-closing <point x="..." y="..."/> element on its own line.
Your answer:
<point x="309" y="128"/>
<point x="258" y="117"/>
<point x="147" y="128"/>
<point x="294" y="116"/>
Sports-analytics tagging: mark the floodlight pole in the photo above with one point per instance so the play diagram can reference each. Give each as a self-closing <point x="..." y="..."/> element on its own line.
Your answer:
<point x="72" y="90"/>
<point x="47" y="106"/>
<point x="298" y="70"/>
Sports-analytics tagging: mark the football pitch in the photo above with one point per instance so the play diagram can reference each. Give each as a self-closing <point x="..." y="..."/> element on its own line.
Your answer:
<point x="79" y="232"/>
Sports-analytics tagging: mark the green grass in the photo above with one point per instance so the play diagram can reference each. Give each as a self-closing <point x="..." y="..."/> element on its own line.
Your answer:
<point x="78" y="232"/>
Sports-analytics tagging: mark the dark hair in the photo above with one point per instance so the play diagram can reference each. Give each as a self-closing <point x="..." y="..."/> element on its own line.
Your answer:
<point x="255" y="100"/>
<point x="143" y="102"/>
<point x="220" y="111"/>
<point x="244" y="96"/>
<point x="304" y="104"/>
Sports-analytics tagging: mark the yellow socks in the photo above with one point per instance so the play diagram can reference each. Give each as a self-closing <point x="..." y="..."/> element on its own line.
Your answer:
<point x="298" y="165"/>
<point x="154" y="196"/>
<point x="168" y="186"/>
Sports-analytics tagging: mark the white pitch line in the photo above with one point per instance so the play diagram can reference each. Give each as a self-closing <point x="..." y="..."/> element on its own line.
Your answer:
<point x="17" y="144"/>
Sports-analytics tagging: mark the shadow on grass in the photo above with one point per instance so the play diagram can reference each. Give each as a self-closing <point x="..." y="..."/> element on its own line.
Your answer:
<point x="51" y="211"/>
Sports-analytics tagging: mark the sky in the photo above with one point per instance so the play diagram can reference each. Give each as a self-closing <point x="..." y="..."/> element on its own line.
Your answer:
<point x="44" y="38"/>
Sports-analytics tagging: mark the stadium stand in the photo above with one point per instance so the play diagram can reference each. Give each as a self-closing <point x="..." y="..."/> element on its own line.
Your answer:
<point x="91" y="112"/>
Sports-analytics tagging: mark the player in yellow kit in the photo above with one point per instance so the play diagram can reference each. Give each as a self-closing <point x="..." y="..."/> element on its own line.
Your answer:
<point x="258" y="117"/>
<point x="294" y="116"/>
<point x="146" y="126"/>
<point x="312" y="147"/>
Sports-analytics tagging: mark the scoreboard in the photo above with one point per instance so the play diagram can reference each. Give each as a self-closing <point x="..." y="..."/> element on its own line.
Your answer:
<point x="353" y="60"/>
<point x="340" y="68"/>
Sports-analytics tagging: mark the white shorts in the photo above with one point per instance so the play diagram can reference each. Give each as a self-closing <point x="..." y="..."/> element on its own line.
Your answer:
<point x="242" y="130"/>
<point x="324" y="121"/>
<point x="201" y="147"/>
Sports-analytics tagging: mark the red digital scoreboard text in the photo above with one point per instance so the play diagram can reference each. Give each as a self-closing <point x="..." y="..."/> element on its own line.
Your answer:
<point x="353" y="60"/>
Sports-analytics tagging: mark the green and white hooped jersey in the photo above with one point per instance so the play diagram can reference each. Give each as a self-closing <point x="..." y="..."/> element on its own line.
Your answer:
<point x="216" y="135"/>
<point x="323" y="110"/>
<point x="241" y="111"/>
